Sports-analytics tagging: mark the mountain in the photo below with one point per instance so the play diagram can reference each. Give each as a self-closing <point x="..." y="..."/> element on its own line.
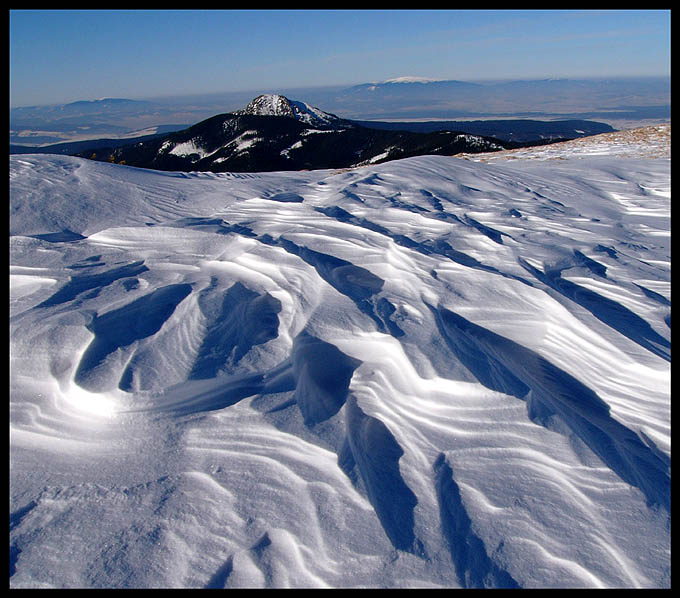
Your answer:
<point x="522" y="131"/>
<point x="275" y="133"/>
<point x="33" y="126"/>
<point x="101" y="104"/>
<point x="409" y="88"/>
<point x="97" y="112"/>
<point x="413" y="98"/>
<point x="434" y="372"/>
<point x="77" y="108"/>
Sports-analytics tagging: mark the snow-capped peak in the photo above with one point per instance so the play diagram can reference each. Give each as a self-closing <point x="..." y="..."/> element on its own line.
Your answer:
<point x="409" y="79"/>
<point x="269" y="105"/>
<point x="278" y="105"/>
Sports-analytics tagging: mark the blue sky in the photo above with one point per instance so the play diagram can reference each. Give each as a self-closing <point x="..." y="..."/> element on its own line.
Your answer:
<point x="62" y="56"/>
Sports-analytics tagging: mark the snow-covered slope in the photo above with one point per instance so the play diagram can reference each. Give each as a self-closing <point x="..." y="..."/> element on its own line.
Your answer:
<point x="644" y="142"/>
<point x="431" y="372"/>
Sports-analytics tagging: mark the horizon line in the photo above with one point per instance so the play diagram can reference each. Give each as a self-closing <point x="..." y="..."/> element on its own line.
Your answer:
<point x="392" y="80"/>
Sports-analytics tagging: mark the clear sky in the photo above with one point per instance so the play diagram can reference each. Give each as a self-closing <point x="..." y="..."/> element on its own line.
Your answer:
<point x="64" y="55"/>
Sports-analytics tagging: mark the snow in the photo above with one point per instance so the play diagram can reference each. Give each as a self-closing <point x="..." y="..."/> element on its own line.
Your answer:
<point x="188" y="148"/>
<point x="270" y="104"/>
<point x="296" y="145"/>
<point x="307" y="132"/>
<point x="310" y="115"/>
<point x="649" y="142"/>
<point x="431" y="372"/>
<point x="245" y="140"/>
<point x="278" y="105"/>
<point x="410" y="79"/>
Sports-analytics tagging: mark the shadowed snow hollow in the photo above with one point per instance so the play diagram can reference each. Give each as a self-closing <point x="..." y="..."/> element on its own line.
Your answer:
<point x="427" y="373"/>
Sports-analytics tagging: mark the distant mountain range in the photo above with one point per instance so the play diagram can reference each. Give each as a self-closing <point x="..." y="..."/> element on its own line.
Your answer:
<point x="83" y="119"/>
<point x="620" y="102"/>
<point x="414" y="87"/>
<point x="29" y="115"/>
<point x="406" y="97"/>
<point x="274" y="133"/>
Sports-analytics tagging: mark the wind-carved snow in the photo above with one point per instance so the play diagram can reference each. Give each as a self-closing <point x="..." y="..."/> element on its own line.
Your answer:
<point x="431" y="372"/>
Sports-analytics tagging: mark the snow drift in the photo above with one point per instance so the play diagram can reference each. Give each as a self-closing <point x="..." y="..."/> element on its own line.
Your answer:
<point x="426" y="373"/>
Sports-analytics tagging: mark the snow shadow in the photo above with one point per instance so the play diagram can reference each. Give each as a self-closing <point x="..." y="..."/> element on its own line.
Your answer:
<point x="594" y="266"/>
<point x="121" y="327"/>
<point x="439" y="247"/>
<point x="14" y="552"/>
<point x="211" y="225"/>
<point x="357" y="283"/>
<point x="219" y="579"/>
<point x="15" y="520"/>
<point x="17" y="516"/>
<point x="236" y="320"/>
<point x="93" y="283"/>
<point x="385" y="310"/>
<point x="658" y="297"/>
<point x="474" y="568"/>
<point x="286" y="197"/>
<point x="322" y="376"/>
<point x="434" y="201"/>
<point x="376" y="453"/>
<point x="317" y="373"/>
<point x="506" y="366"/>
<point x="492" y="233"/>
<point x="65" y="236"/>
<point x="608" y="311"/>
<point x="200" y="396"/>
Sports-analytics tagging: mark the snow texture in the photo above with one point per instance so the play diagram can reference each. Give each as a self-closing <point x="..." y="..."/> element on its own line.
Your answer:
<point x="432" y="372"/>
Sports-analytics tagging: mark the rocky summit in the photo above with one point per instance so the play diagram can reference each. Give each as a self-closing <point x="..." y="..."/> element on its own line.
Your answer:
<point x="278" y="105"/>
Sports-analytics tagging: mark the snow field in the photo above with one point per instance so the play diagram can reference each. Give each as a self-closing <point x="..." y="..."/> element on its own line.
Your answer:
<point x="426" y="373"/>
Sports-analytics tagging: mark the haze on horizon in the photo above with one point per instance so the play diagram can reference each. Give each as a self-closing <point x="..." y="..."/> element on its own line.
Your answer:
<point x="61" y="56"/>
